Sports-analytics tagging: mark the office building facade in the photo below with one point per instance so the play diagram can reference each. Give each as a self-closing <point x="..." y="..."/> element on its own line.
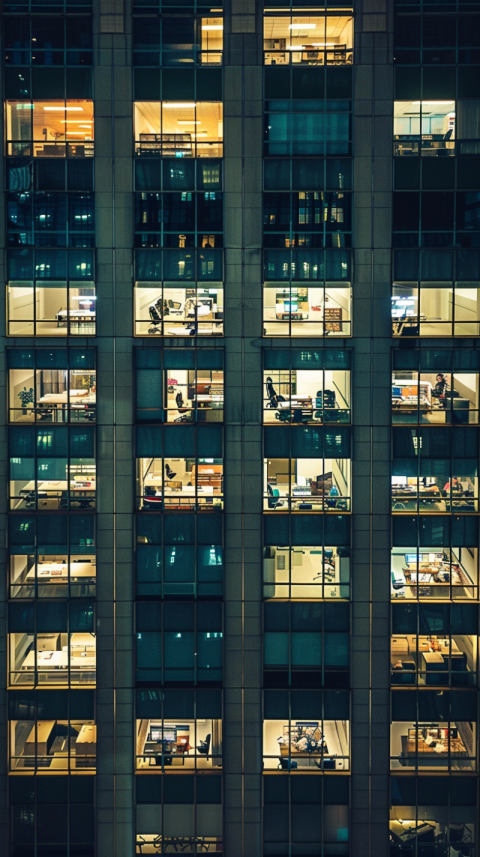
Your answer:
<point x="241" y="254"/>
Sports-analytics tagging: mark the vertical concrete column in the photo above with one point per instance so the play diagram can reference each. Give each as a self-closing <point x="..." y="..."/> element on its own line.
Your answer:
<point x="243" y="133"/>
<point x="115" y="466"/>
<point x="372" y="135"/>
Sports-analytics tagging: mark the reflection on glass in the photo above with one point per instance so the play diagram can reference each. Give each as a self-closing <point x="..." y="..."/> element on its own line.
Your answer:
<point x="306" y="572"/>
<point x="307" y="484"/>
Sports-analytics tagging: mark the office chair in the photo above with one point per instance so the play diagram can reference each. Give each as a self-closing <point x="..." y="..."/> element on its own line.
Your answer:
<point x="156" y="319"/>
<point x="273" y="497"/>
<point x="204" y="746"/>
<point x="287" y="764"/>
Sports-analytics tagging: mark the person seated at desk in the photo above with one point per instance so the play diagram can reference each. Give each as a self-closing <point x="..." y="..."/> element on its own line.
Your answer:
<point x="453" y="486"/>
<point x="440" y="389"/>
<point x="334" y="492"/>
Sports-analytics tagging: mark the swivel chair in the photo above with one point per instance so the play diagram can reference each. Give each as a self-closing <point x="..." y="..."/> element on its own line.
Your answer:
<point x="204" y="746"/>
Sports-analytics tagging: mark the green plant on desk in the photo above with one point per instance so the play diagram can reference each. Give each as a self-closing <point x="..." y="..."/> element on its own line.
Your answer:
<point x="26" y="398"/>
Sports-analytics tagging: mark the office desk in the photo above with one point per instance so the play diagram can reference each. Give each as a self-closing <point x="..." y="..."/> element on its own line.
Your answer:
<point x="45" y="661"/>
<point x="59" y="571"/>
<point x="75" y="315"/>
<point x="59" y="661"/>
<point x="51" y="492"/>
<point x="59" y="402"/>
<point x="411" y="830"/>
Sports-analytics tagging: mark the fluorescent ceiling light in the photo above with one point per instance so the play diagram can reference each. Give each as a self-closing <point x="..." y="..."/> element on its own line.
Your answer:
<point x="213" y="27"/>
<point x="188" y="122"/>
<point x="183" y="105"/>
<point x="86" y="126"/>
<point x="77" y="109"/>
<point x="434" y="102"/>
<point x="302" y="26"/>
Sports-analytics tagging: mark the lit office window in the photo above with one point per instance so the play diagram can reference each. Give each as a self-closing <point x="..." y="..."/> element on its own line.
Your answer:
<point x="52" y="469"/>
<point x="163" y="824"/>
<point x="306" y="730"/>
<point x="306" y="395"/>
<point x="61" y="657"/>
<point x="434" y="557"/>
<point x="52" y="395"/>
<point x="424" y="127"/>
<point x="51" y="555"/>
<point x="306" y="643"/>
<point x="435" y="309"/>
<point x="51" y="732"/>
<point x="179" y="743"/>
<point x="181" y="42"/>
<point x="435" y="470"/>
<point x="179" y="129"/>
<point x="179" y="483"/>
<point x="51" y="309"/>
<point x="53" y="129"/>
<point x="168" y="309"/>
<point x="434" y="731"/>
<point x="194" y="395"/>
<point x="177" y="555"/>
<point x="430" y="572"/>
<point x="306" y="572"/>
<point x="433" y="809"/>
<point x="434" y="644"/>
<point x="308" y="40"/>
<point x="300" y="309"/>
<point x="435" y="398"/>
<point x="179" y="386"/>
<point x="179" y="642"/>
<point x="307" y="484"/>
<point x="307" y="468"/>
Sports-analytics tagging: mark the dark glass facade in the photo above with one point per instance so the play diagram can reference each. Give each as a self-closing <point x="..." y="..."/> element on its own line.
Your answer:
<point x="241" y="389"/>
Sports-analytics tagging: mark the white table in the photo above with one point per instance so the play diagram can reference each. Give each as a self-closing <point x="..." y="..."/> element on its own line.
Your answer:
<point x="59" y="570"/>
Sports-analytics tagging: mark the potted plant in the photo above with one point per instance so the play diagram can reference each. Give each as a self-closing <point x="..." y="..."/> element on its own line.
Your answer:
<point x="26" y="398"/>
